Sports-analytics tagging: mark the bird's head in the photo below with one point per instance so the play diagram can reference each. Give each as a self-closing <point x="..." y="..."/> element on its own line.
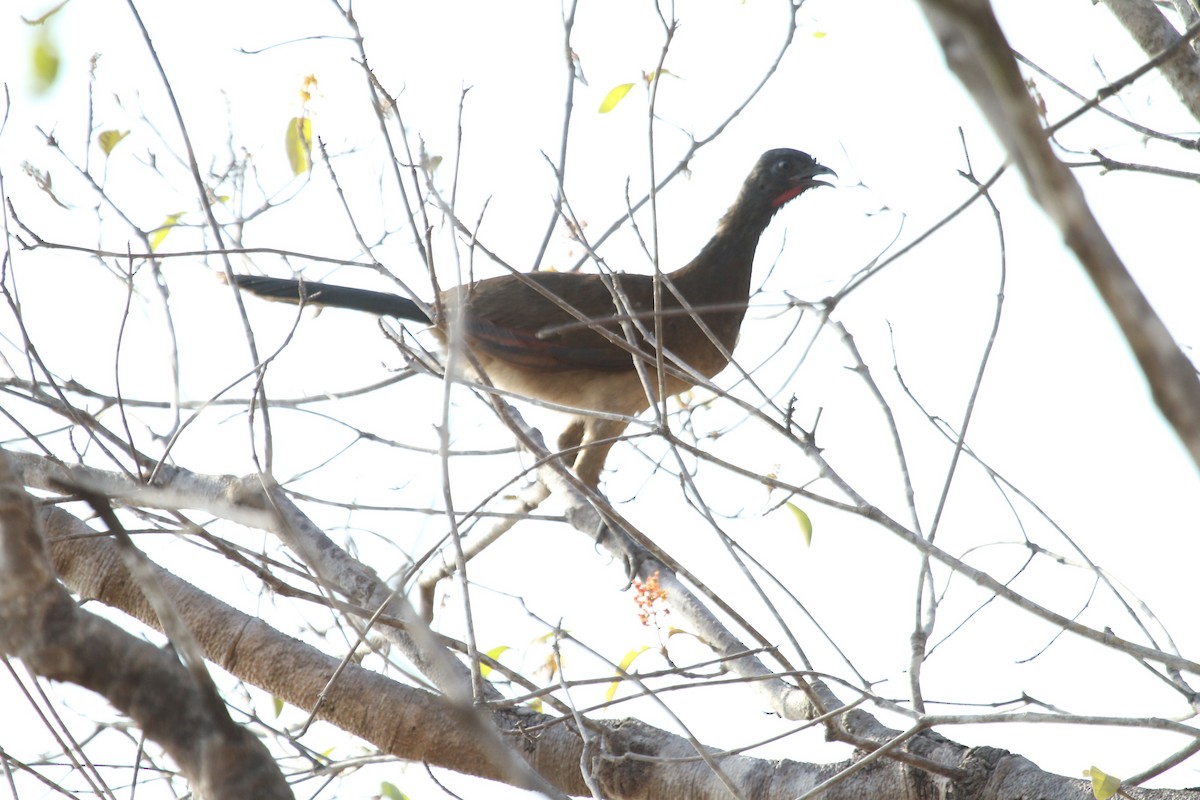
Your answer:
<point x="779" y="176"/>
<point x="783" y="174"/>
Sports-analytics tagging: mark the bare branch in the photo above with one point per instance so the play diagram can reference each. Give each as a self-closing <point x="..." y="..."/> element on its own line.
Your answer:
<point x="978" y="52"/>
<point x="42" y="625"/>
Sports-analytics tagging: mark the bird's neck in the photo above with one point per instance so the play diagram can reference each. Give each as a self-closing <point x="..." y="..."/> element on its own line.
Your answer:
<point x="720" y="273"/>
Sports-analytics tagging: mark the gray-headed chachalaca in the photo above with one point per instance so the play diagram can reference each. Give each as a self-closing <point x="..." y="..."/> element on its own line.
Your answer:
<point x="573" y="339"/>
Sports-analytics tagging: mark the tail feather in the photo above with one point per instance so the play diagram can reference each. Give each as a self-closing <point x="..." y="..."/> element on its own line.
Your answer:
<point x="325" y="294"/>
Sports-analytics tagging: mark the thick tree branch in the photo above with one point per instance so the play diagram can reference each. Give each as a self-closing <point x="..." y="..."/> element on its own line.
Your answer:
<point x="1154" y="34"/>
<point x="46" y="629"/>
<point x="634" y="760"/>
<point x="977" y="51"/>
<point x="629" y="759"/>
<point x="258" y="502"/>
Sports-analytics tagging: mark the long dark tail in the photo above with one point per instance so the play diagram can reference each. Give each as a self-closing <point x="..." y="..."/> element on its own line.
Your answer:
<point x="325" y="294"/>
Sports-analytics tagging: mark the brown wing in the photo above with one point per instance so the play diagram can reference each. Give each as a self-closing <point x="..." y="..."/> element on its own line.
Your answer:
<point x="512" y="320"/>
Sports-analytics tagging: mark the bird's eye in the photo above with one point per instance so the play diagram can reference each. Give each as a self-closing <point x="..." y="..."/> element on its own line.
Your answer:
<point x="782" y="166"/>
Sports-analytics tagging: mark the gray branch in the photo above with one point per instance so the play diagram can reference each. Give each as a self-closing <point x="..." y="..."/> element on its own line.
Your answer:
<point x="978" y="53"/>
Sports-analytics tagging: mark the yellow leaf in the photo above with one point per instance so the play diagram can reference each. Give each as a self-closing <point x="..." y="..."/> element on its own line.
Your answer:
<point x="625" y="664"/>
<point x="493" y="654"/>
<point x="1103" y="786"/>
<point x="109" y="139"/>
<point x="802" y="520"/>
<point x="44" y="61"/>
<point x="673" y="631"/>
<point x="615" y="95"/>
<point x="389" y="791"/>
<point x="277" y="703"/>
<point x="158" y="234"/>
<point x="630" y="656"/>
<point x="819" y="34"/>
<point x="551" y="665"/>
<point x="299" y="144"/>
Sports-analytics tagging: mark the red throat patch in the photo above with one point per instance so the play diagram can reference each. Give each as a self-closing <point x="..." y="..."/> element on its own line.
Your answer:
<point x="782" y="198"/>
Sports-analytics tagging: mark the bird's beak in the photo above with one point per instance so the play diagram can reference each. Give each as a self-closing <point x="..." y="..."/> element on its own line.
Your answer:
<point x="802" y="182"/>
<point x="809" y="178"/>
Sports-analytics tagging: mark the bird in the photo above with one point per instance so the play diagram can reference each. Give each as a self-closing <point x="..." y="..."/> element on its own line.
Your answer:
<point x="587" y="341"/>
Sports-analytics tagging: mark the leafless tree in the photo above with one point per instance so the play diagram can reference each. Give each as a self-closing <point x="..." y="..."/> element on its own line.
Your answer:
<point x="385" y="560"/>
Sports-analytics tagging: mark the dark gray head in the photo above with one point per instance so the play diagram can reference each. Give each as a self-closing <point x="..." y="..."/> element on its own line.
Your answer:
<point x="783" y="174"/>
<point x="779" y="176"/>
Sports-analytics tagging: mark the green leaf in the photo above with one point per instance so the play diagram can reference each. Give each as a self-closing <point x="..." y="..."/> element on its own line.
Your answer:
<point x="299" y="144"/>
<point x="493" y="654"/>
<point x="390" y="791"/>
<point x="44" y="61"/>
<point x="802" y="520"/>
<point x="158" y="234"/>
<point x="277" y="703"/>
<point x="110" y="139"/>
<point x="1104" y="786"/>
<point x="615" y="95"/>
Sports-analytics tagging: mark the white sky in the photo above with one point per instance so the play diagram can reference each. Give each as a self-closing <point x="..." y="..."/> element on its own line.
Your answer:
<point x="1064" y="413"/>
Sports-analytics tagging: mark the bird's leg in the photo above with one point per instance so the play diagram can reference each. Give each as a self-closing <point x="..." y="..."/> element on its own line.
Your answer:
<point x="569" y="444"/>
<point x="569" y="440"/>
<point x="599" y="435"/>
<point x="571" y="435"/>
